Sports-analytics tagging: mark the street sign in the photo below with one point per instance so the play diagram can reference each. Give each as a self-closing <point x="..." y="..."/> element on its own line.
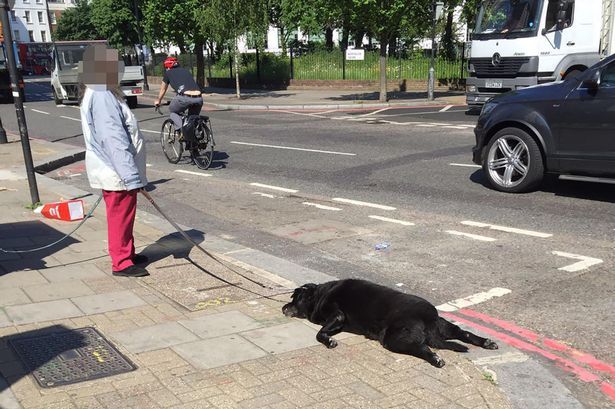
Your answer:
<point x="355" y="55"/>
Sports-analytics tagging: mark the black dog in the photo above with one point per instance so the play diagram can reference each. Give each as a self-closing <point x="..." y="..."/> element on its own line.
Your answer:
<point x="402" y="323"/>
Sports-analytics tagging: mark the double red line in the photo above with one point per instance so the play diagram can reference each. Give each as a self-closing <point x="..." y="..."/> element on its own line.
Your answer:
<point x="583" y="366"/>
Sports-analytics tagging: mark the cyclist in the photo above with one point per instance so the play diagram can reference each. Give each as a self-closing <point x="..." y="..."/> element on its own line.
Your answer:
<point x="188" y="93"/>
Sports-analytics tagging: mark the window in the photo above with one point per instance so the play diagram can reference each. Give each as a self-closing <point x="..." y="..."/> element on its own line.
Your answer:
<point x="26" y="16"/>
<point x="26" y="1"/>
<point x="39" y="1"/>
<point x="40" y="17"/>
<point x="16" y="35"/>
<point x="13" y="16"/>
<point x="44" y="36"/>
<point x="551" y="23"/>
<point x="31" y="35"/>
<point x="607" y="76"/>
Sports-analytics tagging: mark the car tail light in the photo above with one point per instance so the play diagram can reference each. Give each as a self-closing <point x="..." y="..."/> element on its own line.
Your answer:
<point x="137" y="91"/>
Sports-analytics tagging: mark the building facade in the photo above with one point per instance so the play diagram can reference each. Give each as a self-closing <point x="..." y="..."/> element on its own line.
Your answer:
<point x="30" y="22"/>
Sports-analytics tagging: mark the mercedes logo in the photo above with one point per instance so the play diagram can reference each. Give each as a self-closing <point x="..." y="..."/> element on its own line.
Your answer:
<point x="496" y="59"/>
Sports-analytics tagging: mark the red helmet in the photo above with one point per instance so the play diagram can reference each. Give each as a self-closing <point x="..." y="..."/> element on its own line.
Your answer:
<point x="170" y="62"/>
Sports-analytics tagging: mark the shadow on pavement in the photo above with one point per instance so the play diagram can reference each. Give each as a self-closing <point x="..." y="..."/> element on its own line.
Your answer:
<point x="13" y="368"/>
<point x="28" y="235"/>
<point x="219" y="161"/>
<point x="152" y="184"/>
<point x="172" y="245"/>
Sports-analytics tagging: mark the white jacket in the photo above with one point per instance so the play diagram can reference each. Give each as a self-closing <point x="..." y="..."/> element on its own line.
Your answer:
<point x="115" y="150"/>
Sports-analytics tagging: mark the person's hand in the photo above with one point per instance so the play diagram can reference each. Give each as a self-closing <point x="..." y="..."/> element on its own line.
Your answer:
<point x="157" y="104"/>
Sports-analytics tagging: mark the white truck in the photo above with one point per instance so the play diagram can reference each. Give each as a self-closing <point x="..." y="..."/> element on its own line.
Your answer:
<point x="520" y="43"/>
<point x="65" y="75"/>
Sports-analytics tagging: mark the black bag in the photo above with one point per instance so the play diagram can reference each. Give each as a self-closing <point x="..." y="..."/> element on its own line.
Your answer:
<point x="189" y="128"/>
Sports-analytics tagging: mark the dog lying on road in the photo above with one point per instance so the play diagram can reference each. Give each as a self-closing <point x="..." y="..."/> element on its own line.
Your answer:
<point x="402" y="323"/>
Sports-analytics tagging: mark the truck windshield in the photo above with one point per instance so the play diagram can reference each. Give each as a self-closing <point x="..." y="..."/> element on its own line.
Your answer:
<point x="502" y="18"/>
<point x="70" y="55"/>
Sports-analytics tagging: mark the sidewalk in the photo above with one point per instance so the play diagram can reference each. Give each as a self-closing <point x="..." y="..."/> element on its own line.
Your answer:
<point x="196" y="342"/>
<point x="297" y="99"/>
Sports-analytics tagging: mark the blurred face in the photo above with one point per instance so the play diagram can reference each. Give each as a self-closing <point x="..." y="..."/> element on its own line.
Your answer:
<point x="101" y="66"/>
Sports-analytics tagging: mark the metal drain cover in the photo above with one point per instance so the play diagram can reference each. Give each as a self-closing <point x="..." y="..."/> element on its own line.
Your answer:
<point x="71" y="356"/>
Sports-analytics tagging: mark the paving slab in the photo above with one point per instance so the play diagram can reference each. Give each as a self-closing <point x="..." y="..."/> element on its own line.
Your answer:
<point x="100" y="303"/>
<point x="21" y="279"/>
<point x="76" y="272"/>
<point x="154" y="337"/>
<point x="283" y="338"/>
<point x="4" y="320"/>
<point x="216" y="325"/>
<point x="12" y="296"/>
<point x="58" y="291"/>
<point x="43" y="311"/>
<point x="215" y="352"/>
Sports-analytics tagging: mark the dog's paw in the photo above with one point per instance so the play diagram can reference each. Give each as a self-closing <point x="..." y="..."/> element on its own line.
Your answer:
<point x="489" y="344"/>
<point x="437" y="362"/>
<point x="332" y="343"/>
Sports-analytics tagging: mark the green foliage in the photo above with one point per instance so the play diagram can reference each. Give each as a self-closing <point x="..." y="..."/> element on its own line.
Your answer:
<point x="115" y="21"/>
<point x="172" y="22"/>
<point x="76" y="24"/>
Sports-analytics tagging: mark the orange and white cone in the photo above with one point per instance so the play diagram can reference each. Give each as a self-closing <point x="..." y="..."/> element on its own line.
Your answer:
<point x="69" y="211"/>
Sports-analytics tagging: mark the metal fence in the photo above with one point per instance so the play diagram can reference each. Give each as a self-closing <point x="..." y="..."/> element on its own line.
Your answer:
<point x="319" y="65"/>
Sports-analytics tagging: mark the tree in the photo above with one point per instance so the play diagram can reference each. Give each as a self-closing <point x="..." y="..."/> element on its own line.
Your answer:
<point x="115" y="21"/>
<point x="76" y="24"/>
<point x="176" y="23"/>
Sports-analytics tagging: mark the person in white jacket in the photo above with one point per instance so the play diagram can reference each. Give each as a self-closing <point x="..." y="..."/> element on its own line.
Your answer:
<point x="115" y="154"/>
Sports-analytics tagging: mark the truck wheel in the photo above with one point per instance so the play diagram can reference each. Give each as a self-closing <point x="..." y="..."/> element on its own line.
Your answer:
<point x="513" y="162"/>
<point x="572" y="74"/>
<point x="132" y="102"/>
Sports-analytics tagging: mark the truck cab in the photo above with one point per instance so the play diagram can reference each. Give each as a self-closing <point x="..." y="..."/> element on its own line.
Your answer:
<point x="65" y="73"/>
<point x="521" y="43"/>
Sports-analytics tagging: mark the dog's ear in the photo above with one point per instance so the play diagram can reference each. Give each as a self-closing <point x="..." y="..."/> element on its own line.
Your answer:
<point x="305" y="289"/>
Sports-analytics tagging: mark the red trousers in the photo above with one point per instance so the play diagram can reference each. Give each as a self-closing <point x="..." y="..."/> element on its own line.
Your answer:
<point x="121" y="211"/>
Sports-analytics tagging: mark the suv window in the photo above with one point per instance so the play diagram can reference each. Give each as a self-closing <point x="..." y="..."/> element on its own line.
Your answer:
<point x="607" y="76"/>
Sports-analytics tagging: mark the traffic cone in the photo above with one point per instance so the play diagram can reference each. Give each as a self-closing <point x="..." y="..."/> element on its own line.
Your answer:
<point x="68" y="211"/>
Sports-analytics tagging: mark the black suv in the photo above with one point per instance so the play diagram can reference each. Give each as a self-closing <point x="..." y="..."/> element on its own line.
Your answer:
<point x="565" y="128"/>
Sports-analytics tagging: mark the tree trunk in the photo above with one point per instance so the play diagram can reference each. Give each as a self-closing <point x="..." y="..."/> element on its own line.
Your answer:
<point x="393" y="47"/>
<point x="200" y="63"/>
<point x="448" y="41"/>
<point x="383" y="68"/>
<point x="344" y="42"/>
<point x="329" y="38"/>
<point x="283" y="40"/>
<point x="237" y="67"/>
<point x="358" y="38"/>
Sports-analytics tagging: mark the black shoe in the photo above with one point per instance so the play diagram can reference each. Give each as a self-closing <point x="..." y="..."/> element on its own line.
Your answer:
<point x="140" y="259"/>
<point x="132" y="271"/>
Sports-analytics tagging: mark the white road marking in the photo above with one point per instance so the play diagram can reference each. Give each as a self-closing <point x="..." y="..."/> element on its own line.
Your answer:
<point x="303" y="114"/>
<point x="454" y="127"/>
<point x="470" y="236"/>
<point x="189" y="172"/>
<point x="40" y="112"/>
<point x="585" y="262"/>
<point x="293" y="149"/>
<point x="446" y="108"/>
<point x="375" y="112"/>
<point x="322" y="207"/>
<point x="465" y="165"/>
<point x="281" y="189"/>
<point x="438" y="124"/>
<point x="148" y="165"/>
<point x="366" y="204"/>
<point x="473" y="299"/>
<point x="427" y="125"/>
<point x="72" y="119"/>
<point x="148" y="131"/>
<point x="508" y="229"/>
<point x="264" y="195"/>
<point x="386" y="219"/>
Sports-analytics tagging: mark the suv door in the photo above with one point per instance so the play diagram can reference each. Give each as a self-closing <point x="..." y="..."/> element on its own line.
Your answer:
<point x="585" y="130"/>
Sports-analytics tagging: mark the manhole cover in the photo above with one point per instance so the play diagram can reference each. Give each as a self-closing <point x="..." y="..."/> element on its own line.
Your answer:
<point x="70" y="356"/>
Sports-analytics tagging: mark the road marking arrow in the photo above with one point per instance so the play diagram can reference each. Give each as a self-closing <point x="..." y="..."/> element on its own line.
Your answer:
<point x="585" y="262"/>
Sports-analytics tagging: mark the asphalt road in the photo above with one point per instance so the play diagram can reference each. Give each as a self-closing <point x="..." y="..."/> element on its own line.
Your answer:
<point x="288" y="183"/>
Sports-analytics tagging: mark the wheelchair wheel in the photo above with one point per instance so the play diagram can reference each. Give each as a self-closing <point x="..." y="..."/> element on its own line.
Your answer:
<point x="172" y="147"/>
<point x="203" y="153"/>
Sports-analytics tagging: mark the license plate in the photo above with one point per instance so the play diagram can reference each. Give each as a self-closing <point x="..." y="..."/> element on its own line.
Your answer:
<point x="493" y="84"/>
